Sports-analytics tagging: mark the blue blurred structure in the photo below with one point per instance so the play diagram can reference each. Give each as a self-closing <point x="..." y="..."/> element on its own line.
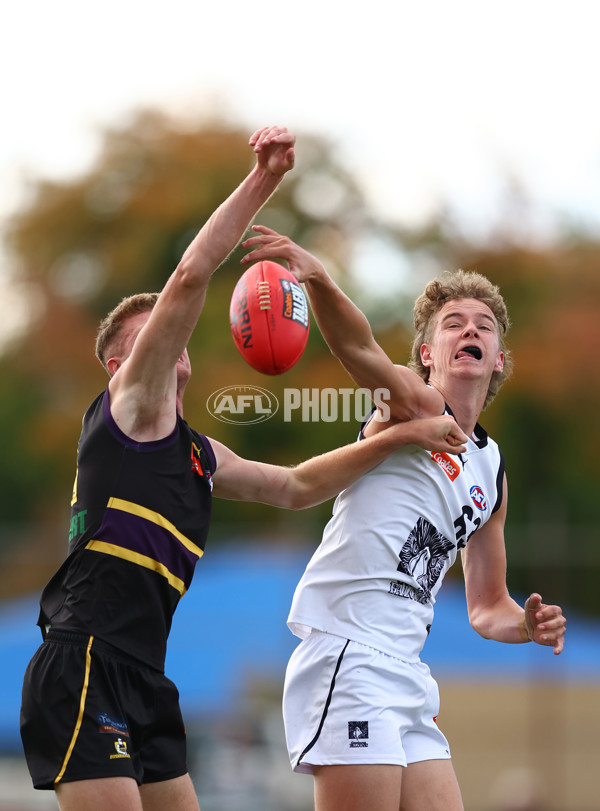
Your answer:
<point x="230" y="629"/>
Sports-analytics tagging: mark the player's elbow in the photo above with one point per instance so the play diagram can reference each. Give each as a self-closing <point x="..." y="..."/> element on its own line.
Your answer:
<point x="354" y="350"/>
<point x="481" y="630"/>
<point x="478" y="622"/>
<point x="301" y="500"/>
<point x="302" y="494"/>
<point x="184" y="274"/>
<point x="191" y="276"/>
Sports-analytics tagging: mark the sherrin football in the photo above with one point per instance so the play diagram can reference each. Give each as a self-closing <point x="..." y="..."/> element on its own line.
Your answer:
<point x="269" y="318"/>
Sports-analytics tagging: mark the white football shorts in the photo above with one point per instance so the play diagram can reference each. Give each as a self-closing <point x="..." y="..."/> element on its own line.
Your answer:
<point x="346" y="703"/>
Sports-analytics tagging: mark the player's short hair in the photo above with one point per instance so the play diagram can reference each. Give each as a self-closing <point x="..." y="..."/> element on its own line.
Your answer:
<point x="110" y="330"/>
<point x="449" y="286"/>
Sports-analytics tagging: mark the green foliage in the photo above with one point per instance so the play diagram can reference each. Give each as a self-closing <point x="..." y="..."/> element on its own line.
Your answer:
<point x="122" y="228"/>
<point x="81" y="246"/>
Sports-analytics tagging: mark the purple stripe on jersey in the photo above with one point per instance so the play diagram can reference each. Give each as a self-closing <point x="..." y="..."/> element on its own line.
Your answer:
<point x="147" y="538"/>
<point x="124" y="439"/>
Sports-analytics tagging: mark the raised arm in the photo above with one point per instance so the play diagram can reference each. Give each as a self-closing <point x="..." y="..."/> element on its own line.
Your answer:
<point x="145" y="379"/>
<point x="346" y="329"/>
<point x="323" y="477"/>
<point x="492" y="611"/>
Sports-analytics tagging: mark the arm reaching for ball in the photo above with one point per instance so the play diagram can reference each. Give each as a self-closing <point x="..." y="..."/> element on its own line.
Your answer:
<point x="346" y="329"/>
<point x="323" y="477"/>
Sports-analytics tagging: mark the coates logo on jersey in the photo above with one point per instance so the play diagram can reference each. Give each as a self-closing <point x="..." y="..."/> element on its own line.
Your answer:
<point x="447" y="463"/>
<point x="478" y="497"/>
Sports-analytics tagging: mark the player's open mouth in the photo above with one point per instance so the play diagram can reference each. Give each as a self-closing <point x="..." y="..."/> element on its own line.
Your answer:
<point x="475" y="351"/>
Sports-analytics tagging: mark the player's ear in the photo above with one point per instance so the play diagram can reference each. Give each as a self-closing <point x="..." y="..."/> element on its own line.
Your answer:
<point x="425" y="353"/>
<point x="499" y="362"/>
<point x="112" y="364"/>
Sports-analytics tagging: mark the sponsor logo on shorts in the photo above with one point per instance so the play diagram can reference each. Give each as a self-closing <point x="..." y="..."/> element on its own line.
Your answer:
<point x="121" y="750"/>
<point x="358" y="733"/>
<point x="112" y="725"/>
<point x="448" y="465"/>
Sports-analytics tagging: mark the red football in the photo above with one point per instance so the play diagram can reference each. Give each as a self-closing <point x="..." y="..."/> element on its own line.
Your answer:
<point x="269" y="318"/>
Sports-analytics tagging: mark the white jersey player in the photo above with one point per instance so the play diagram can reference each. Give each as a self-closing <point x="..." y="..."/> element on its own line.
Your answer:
<point x="359" y="705"/>
<point x="394" y="534"/>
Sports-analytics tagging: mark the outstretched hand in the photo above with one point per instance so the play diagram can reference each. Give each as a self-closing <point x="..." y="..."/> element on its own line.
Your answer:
<point x="269" y="244"/>
<point x="274" y="148"/>
<point x="545" y="624"/>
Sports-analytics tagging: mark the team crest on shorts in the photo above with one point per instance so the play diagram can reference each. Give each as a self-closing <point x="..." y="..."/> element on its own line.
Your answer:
<point x="358" y="732"/>
<point x="120" y="750"/>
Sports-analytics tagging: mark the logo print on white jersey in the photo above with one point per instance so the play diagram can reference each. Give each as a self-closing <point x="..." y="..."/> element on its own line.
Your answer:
<point x="447" y="463"/>
<point x="423" y="557"/>
<point x="478" y="497"/>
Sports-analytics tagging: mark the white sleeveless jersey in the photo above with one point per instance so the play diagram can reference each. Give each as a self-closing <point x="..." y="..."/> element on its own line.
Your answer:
<point x="393" y="536"/>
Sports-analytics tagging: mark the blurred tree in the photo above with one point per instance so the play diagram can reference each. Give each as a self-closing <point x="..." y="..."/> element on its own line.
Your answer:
<point x="82" y="245"/>
<point x="545" y="418"/>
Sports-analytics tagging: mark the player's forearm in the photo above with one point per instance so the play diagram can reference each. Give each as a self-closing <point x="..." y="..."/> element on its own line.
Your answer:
<point x="502" y="622"/>
<point x="323" y="477"/>
<point x="226" y="226"/>
<point x="343" y="325"/>
<point x="348" y="334"/>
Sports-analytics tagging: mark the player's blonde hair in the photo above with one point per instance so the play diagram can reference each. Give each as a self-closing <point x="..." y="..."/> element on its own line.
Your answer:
<point x="449" y="286"/>
<point x="110" y="331"/>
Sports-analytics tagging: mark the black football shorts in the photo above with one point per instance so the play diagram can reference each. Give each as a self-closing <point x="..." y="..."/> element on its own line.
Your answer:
<point x="90" y="711"/>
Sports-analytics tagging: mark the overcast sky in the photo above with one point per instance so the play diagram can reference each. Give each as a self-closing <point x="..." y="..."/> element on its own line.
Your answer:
<point x="426" y="100"/>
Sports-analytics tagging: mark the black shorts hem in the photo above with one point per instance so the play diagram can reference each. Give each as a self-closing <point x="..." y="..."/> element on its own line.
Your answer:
<point x="161" y="778"/>
<point x="50" y="785"/>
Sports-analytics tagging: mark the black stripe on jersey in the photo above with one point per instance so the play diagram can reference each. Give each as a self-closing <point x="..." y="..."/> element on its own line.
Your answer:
<point x="327" y="703"/>
<point x="499" y="482"/>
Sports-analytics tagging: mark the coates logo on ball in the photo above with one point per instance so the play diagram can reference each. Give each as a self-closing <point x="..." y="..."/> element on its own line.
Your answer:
<point x="269" y="318"/>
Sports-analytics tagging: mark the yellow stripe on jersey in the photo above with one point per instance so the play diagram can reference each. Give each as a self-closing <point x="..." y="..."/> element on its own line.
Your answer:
<point x="74" y="497"/>
<point x="141" y="560"/>
<point x="156" y="518"/>
<point x="86" y="681"/>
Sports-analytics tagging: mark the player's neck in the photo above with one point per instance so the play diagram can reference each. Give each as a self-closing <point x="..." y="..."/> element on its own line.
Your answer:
<point x="466" y="399"/>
